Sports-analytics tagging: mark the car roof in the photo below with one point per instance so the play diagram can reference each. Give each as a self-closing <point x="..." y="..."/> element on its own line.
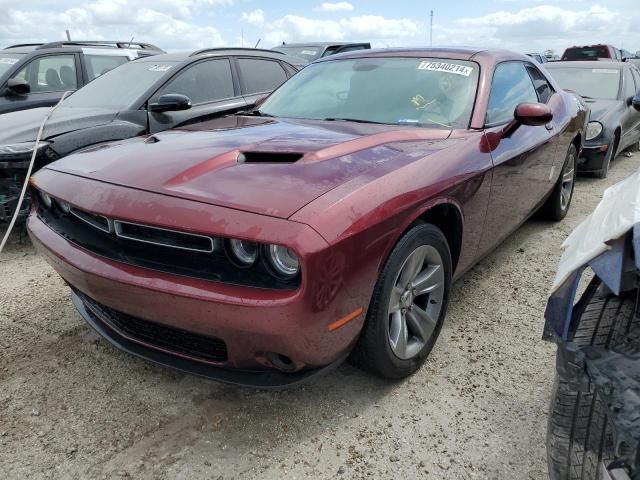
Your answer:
<point x="314" y="44"/>
<point x="458" y="53"/>
<point x="588" y="64"/>
<point x="219" y="52"/>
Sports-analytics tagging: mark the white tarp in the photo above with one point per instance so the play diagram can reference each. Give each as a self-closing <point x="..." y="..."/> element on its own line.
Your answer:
<point x="617" y="212"/>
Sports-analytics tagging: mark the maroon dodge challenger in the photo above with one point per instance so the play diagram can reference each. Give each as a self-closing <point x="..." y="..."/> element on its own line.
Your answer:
<point x="262" y="249"/>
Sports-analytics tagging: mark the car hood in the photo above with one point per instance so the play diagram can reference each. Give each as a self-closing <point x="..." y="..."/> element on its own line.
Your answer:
<point x="267" y="166"/>
<point x="600" y="109"/>
<point x="22" y="126"/>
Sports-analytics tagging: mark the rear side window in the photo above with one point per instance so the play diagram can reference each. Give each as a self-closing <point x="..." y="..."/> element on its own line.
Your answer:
<point x="100" y="64"/>
<point x="511" y="86"/>
<point x="203" y="82"/>
<point x="540" y="83"/>
<point x="260" y="76"/>
<point x="51" y="73"/>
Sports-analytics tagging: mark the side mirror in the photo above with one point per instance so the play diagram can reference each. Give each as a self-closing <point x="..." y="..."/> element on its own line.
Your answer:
<point x="16" y="86"/>
<point x="531" y="114"/>
<point x="171" y="102"/>
<point x="635" y="101"/>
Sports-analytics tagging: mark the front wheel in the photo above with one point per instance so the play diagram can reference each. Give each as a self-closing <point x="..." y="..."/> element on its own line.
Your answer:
<point x="408" y="306"/>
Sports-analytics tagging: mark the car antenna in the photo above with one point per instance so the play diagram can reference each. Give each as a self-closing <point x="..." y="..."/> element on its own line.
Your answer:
<point x="257" y="43"/>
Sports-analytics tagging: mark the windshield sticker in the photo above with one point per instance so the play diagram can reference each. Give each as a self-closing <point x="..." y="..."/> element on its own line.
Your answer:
<point x="446" y="67"/>
<point x="308" y="52"/>
<point x="603" y="70"/>
<point x="8" y="61"/>
<point x="160" y="68"/>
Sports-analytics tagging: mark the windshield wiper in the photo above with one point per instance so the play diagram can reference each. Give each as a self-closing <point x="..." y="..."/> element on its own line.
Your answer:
<point x="356" y="120"/>
<point x="255" y="113"/>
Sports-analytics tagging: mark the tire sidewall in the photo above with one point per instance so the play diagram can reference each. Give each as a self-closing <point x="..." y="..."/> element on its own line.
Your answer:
<point x="378" y="317"/>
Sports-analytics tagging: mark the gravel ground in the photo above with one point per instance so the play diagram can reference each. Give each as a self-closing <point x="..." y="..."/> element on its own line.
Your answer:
<point x="72" y="406"/>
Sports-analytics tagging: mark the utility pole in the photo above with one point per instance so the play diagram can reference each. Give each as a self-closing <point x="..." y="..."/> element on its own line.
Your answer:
<point x="431" y="30"/>
<point x="68" y="35"/>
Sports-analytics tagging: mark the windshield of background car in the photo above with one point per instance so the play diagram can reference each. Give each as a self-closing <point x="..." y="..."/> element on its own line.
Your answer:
<point x="307" y="53"/>
<point x="431" y="92"/>
<point x="598" y="83"/>
<point x="120" y="87"/>
<point x="7" y="60"/>
<point x="587" y="53"/>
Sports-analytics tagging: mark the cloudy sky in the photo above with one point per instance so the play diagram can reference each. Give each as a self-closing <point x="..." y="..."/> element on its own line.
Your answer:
<point x="522" y="25"/>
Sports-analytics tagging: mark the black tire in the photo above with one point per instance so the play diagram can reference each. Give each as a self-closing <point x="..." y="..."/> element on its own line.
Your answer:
<point x="553" y="208"/>
<point x="373" y="351"/>
<point x="578" y="436"/>
<point x="612" y="151"/>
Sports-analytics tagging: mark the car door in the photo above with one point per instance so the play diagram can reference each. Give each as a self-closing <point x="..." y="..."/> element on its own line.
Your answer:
<point x="259" y="77"/>
<point x="522" y="161"/>
<point x="49" y="76"/>
<point x="630" y="119"/>
<point x="210" y="86"/>
<point x="636" y="77"/>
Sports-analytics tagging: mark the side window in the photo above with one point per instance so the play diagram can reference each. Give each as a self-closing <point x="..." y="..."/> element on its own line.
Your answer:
<point x="511" y="85"/>
<point x="51" y="73"/>
<point x="259" y="75"/>
<point x="540" y="83"/>
<point x="629" y="85"/>
<point x="291" y="71"/>
<point x="203" y="82"/>
<point x="100" y="64"/>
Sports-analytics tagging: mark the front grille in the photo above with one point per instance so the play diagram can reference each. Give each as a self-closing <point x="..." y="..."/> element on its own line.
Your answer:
<point x="157" y="335"/>
<point x="169" y="251"/>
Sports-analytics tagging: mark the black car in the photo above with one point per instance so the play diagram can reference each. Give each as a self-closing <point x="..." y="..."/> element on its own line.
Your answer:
<point x="145" y="96"/>
<point x="309" y="52"/>
<point x="37" y="74"/>
<point x="608" y="88"/>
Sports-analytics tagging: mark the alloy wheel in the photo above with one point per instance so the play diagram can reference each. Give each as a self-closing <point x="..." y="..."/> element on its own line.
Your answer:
<point x="416" y="302"/>
<point x="568" y="179"/>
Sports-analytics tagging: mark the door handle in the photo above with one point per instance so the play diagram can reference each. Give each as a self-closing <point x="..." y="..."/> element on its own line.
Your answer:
<point x="549" y="126"/>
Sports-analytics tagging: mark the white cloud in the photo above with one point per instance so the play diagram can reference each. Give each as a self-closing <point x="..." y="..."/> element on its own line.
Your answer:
<point x="255" y="17"/>
<point x="335" y="7"/>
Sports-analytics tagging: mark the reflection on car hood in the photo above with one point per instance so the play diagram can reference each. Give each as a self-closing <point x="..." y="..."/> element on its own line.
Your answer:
<point x="23" y="125"/>
<point x="601" y="108"/>
<point x="262" y="165"/>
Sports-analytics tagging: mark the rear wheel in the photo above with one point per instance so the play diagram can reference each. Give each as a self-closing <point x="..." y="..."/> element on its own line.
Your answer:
<point x="557" y="205"/>
<point x="408" y="306"/>
<point x="578" y="436"/>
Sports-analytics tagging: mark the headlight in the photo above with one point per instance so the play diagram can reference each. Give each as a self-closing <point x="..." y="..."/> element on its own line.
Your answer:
<point x="593" y="130"/>
<point x="283" y="261"/>
<point x="243" y="252"/>
<point x="64" y="206"/>
<point x="45" y="198"/>
<point x="21" y="148"/>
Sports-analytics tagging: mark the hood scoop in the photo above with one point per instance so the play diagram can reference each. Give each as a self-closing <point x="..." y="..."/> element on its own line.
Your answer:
<point x="269" y="157"/>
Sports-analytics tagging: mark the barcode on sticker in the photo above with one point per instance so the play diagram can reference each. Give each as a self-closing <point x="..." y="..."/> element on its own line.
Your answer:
<point x="160" y="68"/>
<point x="445" y="67"/>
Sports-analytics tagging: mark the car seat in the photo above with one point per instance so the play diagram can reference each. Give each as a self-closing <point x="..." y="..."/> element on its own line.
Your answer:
<point x="68" y="77"/>
<point x="52" y="79"/>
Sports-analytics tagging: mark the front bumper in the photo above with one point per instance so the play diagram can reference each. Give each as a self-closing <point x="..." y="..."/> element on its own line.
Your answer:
<point x="263" y="379"/>
<point x="592" y="157"/>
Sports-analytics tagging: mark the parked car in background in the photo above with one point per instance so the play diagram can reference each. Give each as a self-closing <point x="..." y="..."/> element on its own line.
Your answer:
<point x="37" y="74"/>
<point x="614" y="122"/>
<point x="310" y="52"/>
<point x="593" y="431"/>
<point x="146" y="96"/>
<point x="538" y="57"/>
<point x="592" y="52"/>
<point x="263" y="249"/>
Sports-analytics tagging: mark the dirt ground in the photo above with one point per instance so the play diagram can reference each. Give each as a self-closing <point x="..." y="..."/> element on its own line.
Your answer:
<point x="72" y="406"/>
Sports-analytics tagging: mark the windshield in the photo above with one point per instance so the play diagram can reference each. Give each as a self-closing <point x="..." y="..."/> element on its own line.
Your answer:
<point x="7" y="60"/>
<point x="120" y="87"/>
<point x="599" y="83"/>
<point x="587" y="53"/>
<point x="307" y="53"/>
<point x="394" y="91"/>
